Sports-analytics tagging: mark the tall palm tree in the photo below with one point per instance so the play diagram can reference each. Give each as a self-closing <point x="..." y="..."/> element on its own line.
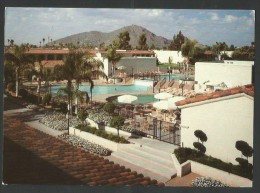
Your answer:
<point x="113" y="57"/>
<point x="43" y="40"/>
<point x="18" y="57"/>
<point x="40" y="44"/>
<point x="12" y="42"/>
<point x="86" y="68"/>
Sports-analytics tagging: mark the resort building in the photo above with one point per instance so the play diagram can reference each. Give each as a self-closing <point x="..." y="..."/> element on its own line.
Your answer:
<point x="224" y="116"/>
<point x="164" y="56"/>
<point x="210" y="76"/>
<point x="132" y="62"/>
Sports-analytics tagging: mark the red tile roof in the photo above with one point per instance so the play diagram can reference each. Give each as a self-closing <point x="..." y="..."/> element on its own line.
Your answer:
<point x="247" y="89"/>
<point x="50" y="63"/>
<point x="66" y="51"/>
<point x="53" y="159"/>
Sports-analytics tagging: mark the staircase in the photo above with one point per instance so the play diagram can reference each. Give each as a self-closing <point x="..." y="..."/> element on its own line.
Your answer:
<point x="152" y="162"/>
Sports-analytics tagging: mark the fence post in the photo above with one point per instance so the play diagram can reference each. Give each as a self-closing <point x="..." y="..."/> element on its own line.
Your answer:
<point x="160" y="129"/>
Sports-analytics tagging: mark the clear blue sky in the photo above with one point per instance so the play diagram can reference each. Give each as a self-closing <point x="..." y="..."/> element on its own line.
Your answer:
<point x="207" y="26"/>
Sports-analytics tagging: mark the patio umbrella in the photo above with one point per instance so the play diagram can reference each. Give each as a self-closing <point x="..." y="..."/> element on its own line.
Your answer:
<point x="163" y="95"/>
<point x="121" y="67"/>
<point x="166" y="105"/>
<point x="126" y="98"/>
<point x="176" y="99"/>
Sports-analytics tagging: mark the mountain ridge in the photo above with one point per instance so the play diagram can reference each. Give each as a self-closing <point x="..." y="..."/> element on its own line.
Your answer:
<point x="95" y="38"/>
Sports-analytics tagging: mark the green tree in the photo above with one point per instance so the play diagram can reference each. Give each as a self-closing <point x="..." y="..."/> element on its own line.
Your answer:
<point x="123" y="41"/>
<point x="113" y="57"/>
<point x="142" y="43"/>
<point x="188" y="50"/>
<point x="178" y="41"/>
<point x="152" y="47"/>
<point x="20" y="60"/>
<point x="82" y="115"/>
<point x="117" y="122"/>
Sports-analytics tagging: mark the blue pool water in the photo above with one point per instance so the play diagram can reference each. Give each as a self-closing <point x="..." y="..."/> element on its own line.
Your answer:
<point x="107" y="89"/>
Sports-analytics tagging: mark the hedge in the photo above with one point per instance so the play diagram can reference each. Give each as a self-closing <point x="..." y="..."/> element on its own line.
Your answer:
<point x="184" y="154"/>
<point x="102" y="133"/>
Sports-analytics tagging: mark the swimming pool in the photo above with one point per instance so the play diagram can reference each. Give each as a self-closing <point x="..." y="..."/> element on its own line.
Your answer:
<point x="141" y="99"/>
<point x="107" y="89"/>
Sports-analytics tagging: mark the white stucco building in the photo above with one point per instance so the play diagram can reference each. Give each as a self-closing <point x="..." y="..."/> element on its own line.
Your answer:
<point x="134" y="61"/>
<point x="224" y="116"/>
<point x="164" y="55"/>
<point x="222" y="74"/>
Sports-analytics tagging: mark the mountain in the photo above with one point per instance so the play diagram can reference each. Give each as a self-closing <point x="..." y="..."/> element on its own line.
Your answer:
<point x="95" y="38"/>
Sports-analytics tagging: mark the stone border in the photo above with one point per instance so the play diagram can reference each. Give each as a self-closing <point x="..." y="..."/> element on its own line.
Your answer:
<point x="204" y="170"/>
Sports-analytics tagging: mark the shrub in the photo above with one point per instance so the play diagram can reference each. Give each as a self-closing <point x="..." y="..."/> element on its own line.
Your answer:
<point x="184" y="154"/>
<point x="23" y="93"/>
<point x="109" y="107"/>
<point x="102" y="133"/>
<point x="242" y="162"/>
<point x="201" y="135"/>
<point x="200" y="147"/>
<point x="46" y="99"/>
<point x="82" y="115"/>
<point x="11" y="86"/>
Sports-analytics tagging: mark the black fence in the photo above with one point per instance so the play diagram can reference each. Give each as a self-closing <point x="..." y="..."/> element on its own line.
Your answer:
<point x="157" y="128"/>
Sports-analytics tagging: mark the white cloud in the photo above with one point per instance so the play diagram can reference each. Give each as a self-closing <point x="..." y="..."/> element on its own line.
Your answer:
<point x="230" y="18"/>
<point x="214" y="16"/>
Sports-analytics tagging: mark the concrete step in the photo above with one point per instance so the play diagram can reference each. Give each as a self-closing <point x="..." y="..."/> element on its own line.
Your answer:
<point x="159" y="157"/>
<point x="155" y="145"/>
<point x="138" y="169"/>
<point x="147" y="162"/>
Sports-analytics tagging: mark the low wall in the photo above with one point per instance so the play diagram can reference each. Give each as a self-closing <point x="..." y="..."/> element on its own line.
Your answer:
<point x="204" y="170"/>
<point x="107" y="128"/>
<point x="220" y="175"/>
<point x="94" y="139"/>
<point x="182" y="169"/>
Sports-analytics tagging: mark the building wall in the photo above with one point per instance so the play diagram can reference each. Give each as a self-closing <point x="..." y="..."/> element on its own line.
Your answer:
<point x="163" y="56"/>
<point x="232" y="73"/>
<point x="142" y="64"/>
<point x="224" y="122"/>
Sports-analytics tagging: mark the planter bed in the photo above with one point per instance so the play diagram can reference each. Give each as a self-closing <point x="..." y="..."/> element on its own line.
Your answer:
<point x="184" y="154"/>
<point x="103" y="134"/>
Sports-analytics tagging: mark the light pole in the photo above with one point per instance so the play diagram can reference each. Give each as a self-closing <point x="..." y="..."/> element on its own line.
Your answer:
<point x="68" y="117"/>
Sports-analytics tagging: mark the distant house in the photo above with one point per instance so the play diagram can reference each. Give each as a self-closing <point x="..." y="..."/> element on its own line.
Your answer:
<point x="164" y="55"/>
<point x="224" y="116"/>
<point x="210" y="76"/>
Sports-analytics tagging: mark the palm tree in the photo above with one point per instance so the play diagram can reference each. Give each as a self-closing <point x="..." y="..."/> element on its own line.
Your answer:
<point x="12" y="42"/>
<point x="20" y="60"/>
<point x="86" y="67"/>
<point x="8" y="41"/>
<point x="43" y="40"/>
<point x="40" y="44"/>
<point x="113" y="57"/>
